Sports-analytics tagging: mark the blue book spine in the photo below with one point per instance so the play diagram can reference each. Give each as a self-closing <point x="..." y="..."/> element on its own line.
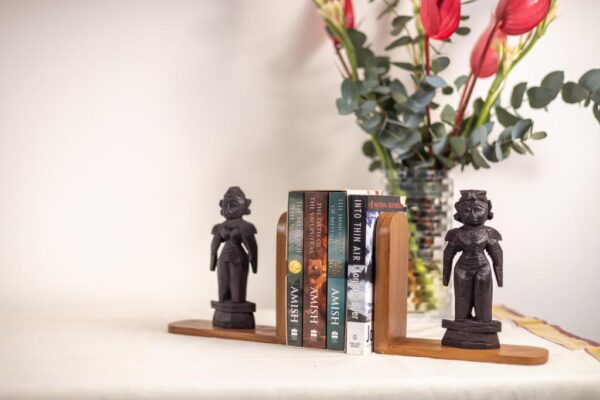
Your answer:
<point x="336" y="271"/>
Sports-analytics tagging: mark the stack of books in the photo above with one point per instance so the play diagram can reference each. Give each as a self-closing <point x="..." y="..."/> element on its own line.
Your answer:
<point x="331" y="263"/>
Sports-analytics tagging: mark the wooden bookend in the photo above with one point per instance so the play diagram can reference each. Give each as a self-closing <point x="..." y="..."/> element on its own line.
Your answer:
<point x="389" y="323"/>
<point x="263" y="334"/>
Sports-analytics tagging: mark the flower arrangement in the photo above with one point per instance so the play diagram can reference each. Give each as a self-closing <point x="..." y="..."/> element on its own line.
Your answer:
<point x="403" y="131"/>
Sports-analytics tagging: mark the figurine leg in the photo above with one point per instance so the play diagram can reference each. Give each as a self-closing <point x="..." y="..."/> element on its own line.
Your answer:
<point x="238" y="284"/>
<point x="463" y="291"/>
<point x="223" y="274"/>
<point x="483" y="295"/>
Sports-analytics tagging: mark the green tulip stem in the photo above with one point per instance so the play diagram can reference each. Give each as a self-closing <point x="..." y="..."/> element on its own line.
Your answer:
<point x="497" y="86"/>
<point x="387" y="164"/>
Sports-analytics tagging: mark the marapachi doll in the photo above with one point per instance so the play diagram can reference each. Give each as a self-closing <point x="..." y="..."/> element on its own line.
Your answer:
<point x="472" y="273"/>
<point x="239" y="252"/>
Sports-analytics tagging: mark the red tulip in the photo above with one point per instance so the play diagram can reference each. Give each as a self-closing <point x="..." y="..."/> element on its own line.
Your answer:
<point x="440" y="18"/>
<point x="484" y="65"/>
<point x="520" y="16"/>
<point x="348" y="20"/>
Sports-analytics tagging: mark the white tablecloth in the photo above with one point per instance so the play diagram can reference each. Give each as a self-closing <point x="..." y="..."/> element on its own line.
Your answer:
<point x="67" y="354"/>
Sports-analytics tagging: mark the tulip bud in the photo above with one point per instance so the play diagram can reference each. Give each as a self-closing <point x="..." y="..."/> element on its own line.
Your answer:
<point x="440" y="18"/>
<point x="484" y="58"/>
<point x="340" y="13"/>
<point x="517" y="17"/>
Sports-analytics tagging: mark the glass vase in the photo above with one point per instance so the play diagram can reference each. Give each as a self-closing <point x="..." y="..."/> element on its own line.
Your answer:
<point x="430" y="210"/>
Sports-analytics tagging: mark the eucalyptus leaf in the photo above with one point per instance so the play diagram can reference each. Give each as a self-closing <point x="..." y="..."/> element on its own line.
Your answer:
<point x="405" y="66"/>
<point x="371" y="124"/>
<point x="368" y="149"/>
<point x="539" y="97"/>
<point x="498" y="151"/>
<point x="596" y="96"/>
<point x="448" y="114"/>
<point x="553" y="81"/>
<point x="478" y="160"/>
<point x="449" y="164"/>
<point x="479" y="135"/>
<point x="539" y="135"/>
<point x="521" y="128"/>
<point x="382" y="90"/>
<point x="505" y="118"/>
<point x="596" y="110"/>
<point x="463" y="30"/>
<point x="518" y="148"/>
<point x="348" y="90"/>
<point x="458" y="145"/>
<point x="460" y="81"/>
<point x="573" y="93"/>
<point x="375" y="165"/>
<point x="434" y="81"/>
<point x="440" y="64"/>
<point x="527" y="148"/>
<point x="344" y="107"/>
<point x="368" y="106"/>
<point x="438" y="130"/>
<point x="399" y="23"/>
<point x="516" y="99"/>
<point x="448" y="90"/>
<point x="402" y="41"/>
<point x="590" y="80"/>
<point x="357" y="38"/>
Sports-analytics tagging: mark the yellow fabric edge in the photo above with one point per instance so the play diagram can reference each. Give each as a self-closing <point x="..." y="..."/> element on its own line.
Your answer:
<point x="541" y="329"/>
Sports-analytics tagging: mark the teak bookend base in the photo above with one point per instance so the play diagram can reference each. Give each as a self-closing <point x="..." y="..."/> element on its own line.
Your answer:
<point x="262" y="334"/>
<point x="390" y="311"/>
<point x="389" y="324"/>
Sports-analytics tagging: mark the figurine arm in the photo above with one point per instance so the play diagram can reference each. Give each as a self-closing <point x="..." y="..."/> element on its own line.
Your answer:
<point x="449" y="253"/>
<point x="495" y="251"/>
<point x="252" y="248"/>
<point x="214" y="248"/>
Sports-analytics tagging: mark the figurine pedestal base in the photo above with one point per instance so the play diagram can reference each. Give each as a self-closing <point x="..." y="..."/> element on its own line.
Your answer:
<point x="471" y="334"/>
<point x="230" y="315"/>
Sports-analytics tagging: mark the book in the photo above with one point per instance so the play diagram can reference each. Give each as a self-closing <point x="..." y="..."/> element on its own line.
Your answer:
<point x="363" y="212"/>
<point x="295" y="276"/>
<point x="315" y="272"/>
<point x="336" y="271"/>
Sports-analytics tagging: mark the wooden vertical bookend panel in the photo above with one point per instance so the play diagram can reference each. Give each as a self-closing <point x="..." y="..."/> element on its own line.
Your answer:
<point x="280" y="279"/>
<point x="391" y="266"/>
<point x="390" y="307"/>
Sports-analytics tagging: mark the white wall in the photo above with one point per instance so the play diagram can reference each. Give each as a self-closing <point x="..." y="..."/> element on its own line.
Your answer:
<point x="122" y="123"/>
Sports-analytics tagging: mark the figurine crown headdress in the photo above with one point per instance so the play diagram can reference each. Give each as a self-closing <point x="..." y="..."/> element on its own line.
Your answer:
<point x="466" y="195"/>
<point x="472" y="195"/>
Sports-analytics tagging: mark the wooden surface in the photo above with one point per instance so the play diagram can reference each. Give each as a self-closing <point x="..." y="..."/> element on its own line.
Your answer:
<point x="201" y="327"/>
<point x="506" y="354"/>
<point x="389" y="322"/>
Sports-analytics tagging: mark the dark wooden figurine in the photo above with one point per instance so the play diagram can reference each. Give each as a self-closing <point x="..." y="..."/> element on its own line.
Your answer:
<point x="240" y="251"/>
<point x="472" y="274"/>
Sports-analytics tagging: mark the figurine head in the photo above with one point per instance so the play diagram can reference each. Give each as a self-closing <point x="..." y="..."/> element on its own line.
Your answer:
<point x="234" y="203"/>
<point x="473" y="208"/>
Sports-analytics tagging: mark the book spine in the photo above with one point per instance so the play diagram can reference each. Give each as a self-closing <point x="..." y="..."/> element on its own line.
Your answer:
<point x="315" y="276"/>
<point x="295" y="257"/>
<point x="362" y="274"/>
<point x="336" y="271"/>
<point x="358" y="336"/>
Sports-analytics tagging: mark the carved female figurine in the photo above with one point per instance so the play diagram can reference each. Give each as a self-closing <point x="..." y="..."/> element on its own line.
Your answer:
<point x="472" y="273"/>
<point x="240" y="247"/>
